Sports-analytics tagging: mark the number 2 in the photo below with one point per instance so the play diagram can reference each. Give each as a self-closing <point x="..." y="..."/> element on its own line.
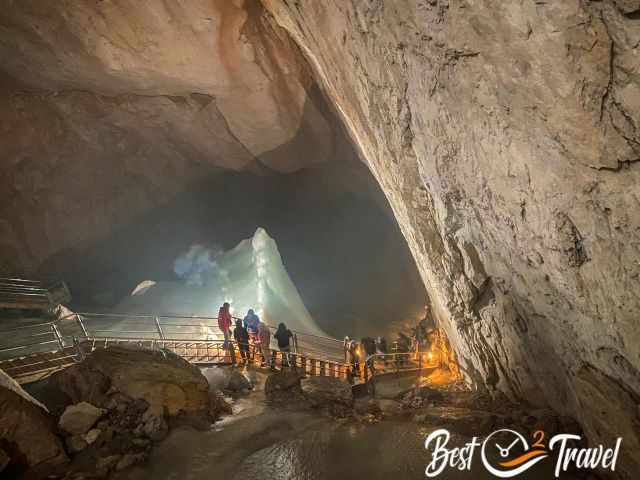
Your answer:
<point x="538" y="436"/>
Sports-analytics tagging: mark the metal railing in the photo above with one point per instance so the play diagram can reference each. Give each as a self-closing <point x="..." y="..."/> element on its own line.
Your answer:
<point x="18" y="293"/>
<point x="163" y="326"/>
<point x="206" y="352"/>
<point x="393" y="363"/>
<point x="200" y="352"/>
<point x="59" y="334"/>
<point x="40" y="348"/>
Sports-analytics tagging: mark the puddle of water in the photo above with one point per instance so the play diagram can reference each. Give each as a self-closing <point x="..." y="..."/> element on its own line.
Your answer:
<point x="285" y="445"/>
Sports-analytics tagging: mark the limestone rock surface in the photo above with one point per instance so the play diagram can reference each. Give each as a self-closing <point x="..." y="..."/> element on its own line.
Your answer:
<point x="27" y="433"/>
<point x="284" y="387"/>
<point x="78" y="419"/>
<point x="327" y="390"/>
<point x="110" y="109"/>
<point x="166" y="382"/>
<point x="506" y="137"/>
<point x="610" y="411"/>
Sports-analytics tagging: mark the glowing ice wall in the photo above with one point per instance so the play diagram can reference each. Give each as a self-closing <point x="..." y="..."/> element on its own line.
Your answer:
<point x="251" y="275"/>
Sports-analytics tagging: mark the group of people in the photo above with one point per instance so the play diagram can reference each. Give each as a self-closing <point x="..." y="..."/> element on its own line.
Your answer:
<point x="358" y="352"/>
<point x="419" y="340"/>
<point x="252" y="332"/>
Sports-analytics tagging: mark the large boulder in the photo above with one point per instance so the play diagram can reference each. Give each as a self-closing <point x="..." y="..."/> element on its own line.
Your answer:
<point x="169" y="384"/>
<point x="290" y="388"/>
<point x="327" y="392"/>
<point x="78" y="419"/>
<point x="284" y="387"/>
<point x="26" y="432"/>
<point x="81" y="383"/>
<point x="238" y="382"/>
<point x="227" y="379"/>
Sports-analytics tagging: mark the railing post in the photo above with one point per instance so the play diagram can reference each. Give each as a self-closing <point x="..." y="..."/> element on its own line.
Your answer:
<point x="82" y="327"/>
<point x="56" y="333"/>
<point x="76" y="343"/>
<point x="160" y="332"/>
<point x="232" y="352"/>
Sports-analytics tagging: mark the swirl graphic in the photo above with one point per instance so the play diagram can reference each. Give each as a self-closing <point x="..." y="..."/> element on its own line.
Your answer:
<point x="510" y="467"/>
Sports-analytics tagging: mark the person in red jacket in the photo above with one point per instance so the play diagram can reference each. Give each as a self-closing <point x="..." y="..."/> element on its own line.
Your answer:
<point x="224" y="322"/>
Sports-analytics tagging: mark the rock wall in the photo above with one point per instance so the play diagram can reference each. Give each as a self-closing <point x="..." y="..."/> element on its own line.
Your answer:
<point x="27" y="433"/>
<point x="111" y="108"/>
<point x="506" y="137"/>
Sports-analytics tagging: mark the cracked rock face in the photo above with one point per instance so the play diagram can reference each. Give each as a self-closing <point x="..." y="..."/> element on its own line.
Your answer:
<point x="110" y="108"/>
<point x="506" y="137"/>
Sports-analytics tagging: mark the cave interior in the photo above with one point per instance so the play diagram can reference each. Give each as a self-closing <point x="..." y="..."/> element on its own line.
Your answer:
<point x="474" y="161"/>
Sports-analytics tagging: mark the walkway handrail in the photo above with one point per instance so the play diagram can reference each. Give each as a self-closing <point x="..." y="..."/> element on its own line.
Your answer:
<point x="165" y="315"/>
<point x="197" y="351"/>
<point x="23" y="294"/>
<point x="392" y="363"/>
<point x="190" y="317"/>
<point x="154" y="326"/>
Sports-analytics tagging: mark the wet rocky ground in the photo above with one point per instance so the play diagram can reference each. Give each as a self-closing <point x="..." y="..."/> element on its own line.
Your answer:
<point x="131" y="415"/>
<point x="382" y="438"/>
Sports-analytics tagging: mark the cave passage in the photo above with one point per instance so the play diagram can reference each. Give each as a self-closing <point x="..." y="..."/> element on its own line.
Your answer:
<point x="337" y="237"/>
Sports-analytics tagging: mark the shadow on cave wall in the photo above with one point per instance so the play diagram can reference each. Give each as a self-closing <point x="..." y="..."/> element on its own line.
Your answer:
<point x="343" y="251"/>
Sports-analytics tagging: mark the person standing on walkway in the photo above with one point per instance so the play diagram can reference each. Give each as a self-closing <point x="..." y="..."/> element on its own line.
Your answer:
<point x="347" y="349"/>
<point x="264" y="343"/>
<point x="354" y="351"/>
<point x="251" y="321"/>
<point x="242" y="339"/>
<point x="283" y="335"/>
<point x="368" y="351"/>
<point x="224" y="323"/>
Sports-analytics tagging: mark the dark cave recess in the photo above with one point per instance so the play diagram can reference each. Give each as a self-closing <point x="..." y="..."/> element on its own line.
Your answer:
<point x="334" y="229"/>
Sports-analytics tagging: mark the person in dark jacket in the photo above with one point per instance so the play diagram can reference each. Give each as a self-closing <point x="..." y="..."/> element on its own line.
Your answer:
<point x="369" y="349"/>
<point x="369" y="345"/>
<point x="242" y="339"/>
<point x="251" y="322"/>
<point x="382" y="345"/>
<point x="283" y="336"/>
